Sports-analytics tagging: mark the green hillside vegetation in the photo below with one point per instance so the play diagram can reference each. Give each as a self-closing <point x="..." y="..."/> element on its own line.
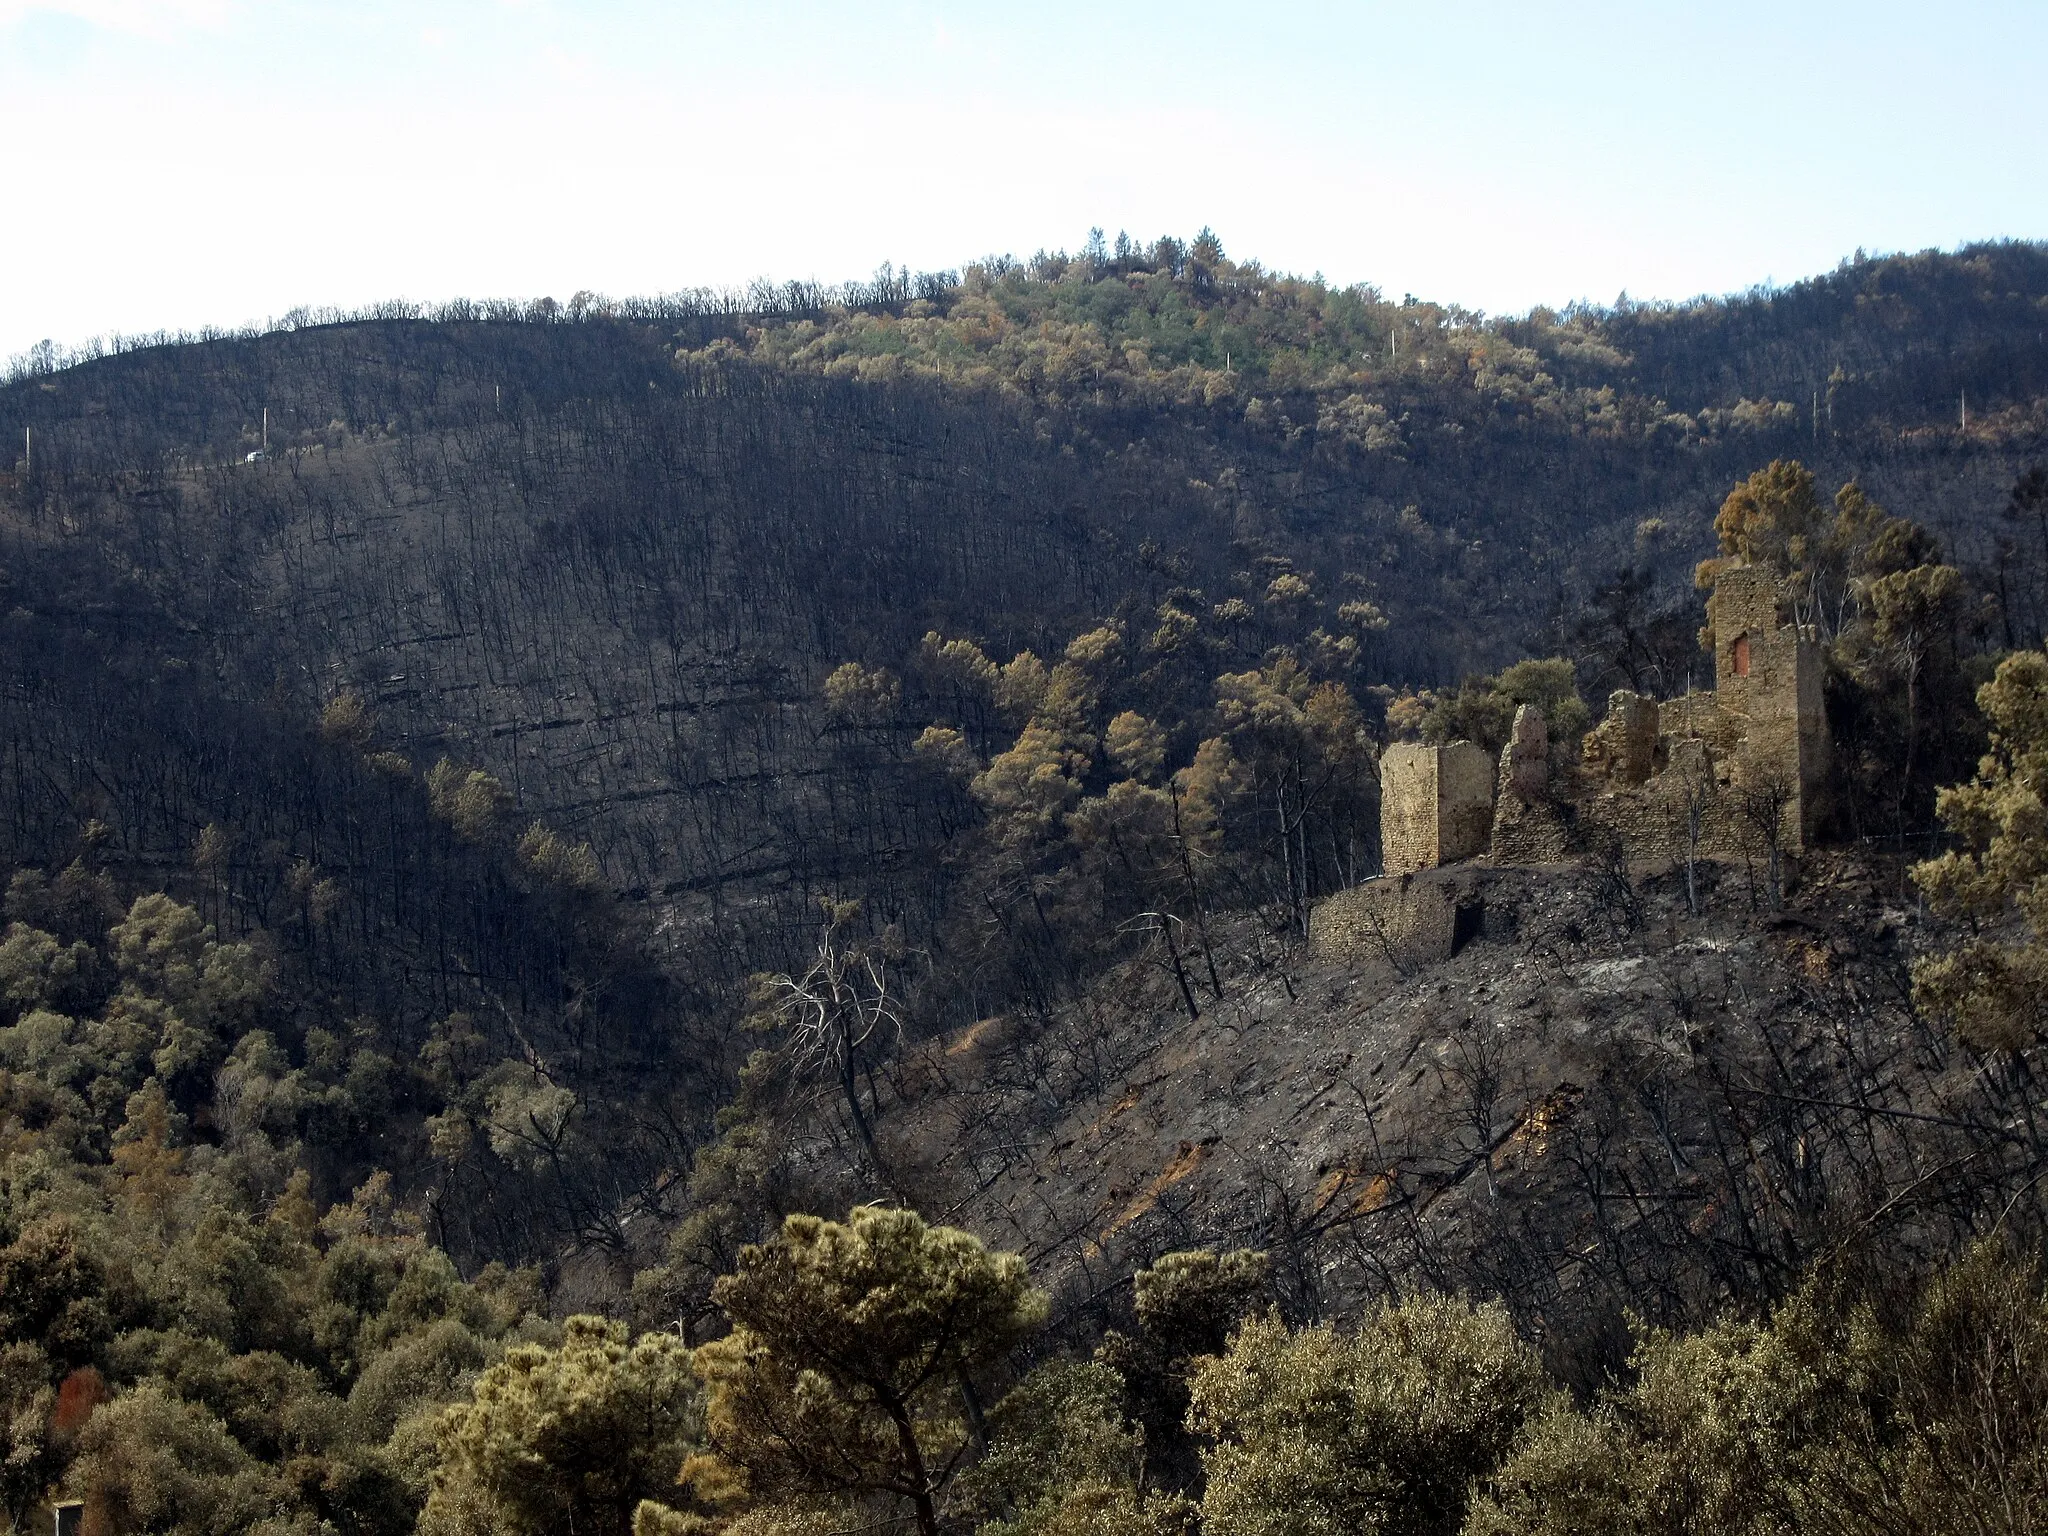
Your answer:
<point x="187" y="1361"/>
<point x="193" y="1342"/>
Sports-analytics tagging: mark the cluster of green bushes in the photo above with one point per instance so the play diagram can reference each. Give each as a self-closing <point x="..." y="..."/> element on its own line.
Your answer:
<point x="847" y="1395"/>
<point x="846" y="1398"/>
<point x="188" y="1341"/>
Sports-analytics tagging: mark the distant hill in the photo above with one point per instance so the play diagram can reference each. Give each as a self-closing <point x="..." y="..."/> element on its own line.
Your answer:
<point x="501" y="807"/>
<point x="611" y="558"/>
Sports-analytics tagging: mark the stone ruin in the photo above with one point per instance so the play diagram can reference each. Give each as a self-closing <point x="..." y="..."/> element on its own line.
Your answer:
<point x="1436" y="805"/>
<point x="1735" y="773"/>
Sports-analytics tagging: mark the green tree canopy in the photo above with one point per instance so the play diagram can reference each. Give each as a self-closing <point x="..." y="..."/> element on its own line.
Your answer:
<point x="1773" y="518"/>
<point x="568" y="1439"/>
<point x="1321" y="1433"/>
<point x="1826" y="1417"/>
<point x="1188" y="1304"/>
<point x="851" y="1345"/>
<point x="1060" y="1454"/>
<point x="1483" y="708"/>
<point x="1993" y="992"/>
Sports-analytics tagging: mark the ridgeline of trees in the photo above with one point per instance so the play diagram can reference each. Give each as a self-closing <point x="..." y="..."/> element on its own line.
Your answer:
<point x="608" y="554"/>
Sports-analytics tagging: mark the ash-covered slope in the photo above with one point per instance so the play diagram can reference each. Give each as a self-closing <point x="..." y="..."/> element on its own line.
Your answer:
<point x="620" y="602"/>
<point x="611" y="561"/>
<point x="1603" y="1104"/>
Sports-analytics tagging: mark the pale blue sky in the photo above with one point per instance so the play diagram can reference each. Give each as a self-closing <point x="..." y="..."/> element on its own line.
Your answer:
<point x="183" y="162"/>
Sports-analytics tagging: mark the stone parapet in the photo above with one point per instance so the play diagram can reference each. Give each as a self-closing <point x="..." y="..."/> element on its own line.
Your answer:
<point x="1401" y="921"/>
<point x="1398" y="924"/>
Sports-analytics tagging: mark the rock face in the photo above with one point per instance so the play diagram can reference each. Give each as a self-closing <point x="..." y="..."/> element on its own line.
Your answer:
<point x="1731" y="774"/>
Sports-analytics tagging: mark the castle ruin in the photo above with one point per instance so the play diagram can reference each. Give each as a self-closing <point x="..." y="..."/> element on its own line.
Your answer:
<point x="1735" y="773"/>
<point x="1728" y="774"/>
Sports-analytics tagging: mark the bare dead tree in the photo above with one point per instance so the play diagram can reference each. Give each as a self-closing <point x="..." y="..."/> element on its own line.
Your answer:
<point x="1163" y="925"/>
<point x="1477" y="1070"/>
<point x="1614" y="890"/>
<point x="1695" y="773"/>
<point x="1762" y="806"/>
<point x="839" y="1007"/>
<point x="1185" y="858"/>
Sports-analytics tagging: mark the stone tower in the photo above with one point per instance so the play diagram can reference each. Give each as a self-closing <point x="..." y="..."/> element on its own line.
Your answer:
<point x="1436" y="804"/>
<point x="1767" y="678"/>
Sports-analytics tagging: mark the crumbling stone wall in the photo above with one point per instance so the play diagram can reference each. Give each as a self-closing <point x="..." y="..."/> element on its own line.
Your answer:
<point x="1622" y="751"/>
<point x="1736" y="773"/>
<point x="1530" y="823"/>
<point x="1398" y="924"/>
